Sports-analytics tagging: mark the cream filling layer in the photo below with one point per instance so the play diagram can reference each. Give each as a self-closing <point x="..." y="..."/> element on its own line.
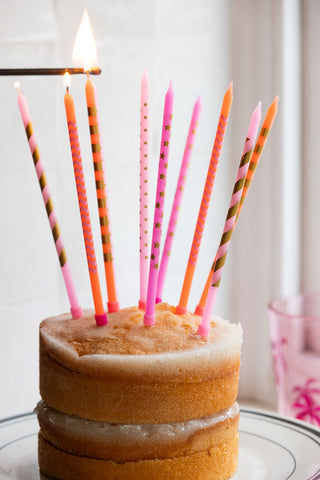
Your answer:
<point x="90" y="430"/>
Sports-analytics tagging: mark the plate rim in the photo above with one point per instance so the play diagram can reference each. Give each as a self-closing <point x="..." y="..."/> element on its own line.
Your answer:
<point x="16" y="417"/>
<point x="283" y="419"/>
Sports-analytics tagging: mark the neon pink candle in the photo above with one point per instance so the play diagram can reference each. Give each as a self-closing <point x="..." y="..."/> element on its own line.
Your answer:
<point x="220" y="258"/>
<point x="144" y="164"/>
<point x="149" y="317"/>
<point x="76" y="309"/>
<point x="177" y="199"/>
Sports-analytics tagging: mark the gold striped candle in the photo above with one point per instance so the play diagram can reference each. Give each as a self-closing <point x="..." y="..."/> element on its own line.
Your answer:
<point x="255" y="158"/>
<point x="258" y="149"/>
<point x="76" y="309"/>
<point x="113" y="304"/>
<point x="230" y="221"/>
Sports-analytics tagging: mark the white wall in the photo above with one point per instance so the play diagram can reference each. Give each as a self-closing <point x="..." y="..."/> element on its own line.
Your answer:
<point x="186" y="42"/>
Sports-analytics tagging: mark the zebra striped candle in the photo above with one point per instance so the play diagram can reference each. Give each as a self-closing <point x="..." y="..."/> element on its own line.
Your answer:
<point x="211" y="175"/>
<point x="230" y="221"/>
<point x="76" y="309"/>
<point x="113" y="304"/>
<point x="100" y="315"/>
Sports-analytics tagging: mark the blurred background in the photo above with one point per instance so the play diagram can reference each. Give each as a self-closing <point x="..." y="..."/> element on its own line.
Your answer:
<point x="267" y="48"/>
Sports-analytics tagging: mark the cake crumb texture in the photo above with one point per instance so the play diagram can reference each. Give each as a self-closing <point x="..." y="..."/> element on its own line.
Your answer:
<point x="126" y="334"/>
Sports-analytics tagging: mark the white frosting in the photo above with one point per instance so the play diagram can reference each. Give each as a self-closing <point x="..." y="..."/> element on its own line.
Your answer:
<point x="91" y="430"/>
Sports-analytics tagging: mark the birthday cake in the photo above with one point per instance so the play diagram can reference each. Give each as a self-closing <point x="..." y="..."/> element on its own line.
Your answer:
<point x="127" y="401"/>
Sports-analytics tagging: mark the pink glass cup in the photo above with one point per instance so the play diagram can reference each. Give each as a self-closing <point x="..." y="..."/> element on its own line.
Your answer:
<point x="295" y="340"/>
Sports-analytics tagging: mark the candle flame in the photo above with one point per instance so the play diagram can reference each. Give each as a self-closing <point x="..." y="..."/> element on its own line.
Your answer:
<point x="84" y="49"/>
<point x="67" y="80"/>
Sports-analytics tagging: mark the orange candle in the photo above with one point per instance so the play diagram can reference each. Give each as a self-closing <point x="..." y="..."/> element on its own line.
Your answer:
<point x="100" y="315"/>
<point x="211" y="175"/>
<point x="264" y="132"/>
<point x="113" y="304"/>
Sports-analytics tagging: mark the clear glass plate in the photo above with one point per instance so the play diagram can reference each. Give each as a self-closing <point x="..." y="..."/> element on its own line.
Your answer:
<point x="271" y="448"/>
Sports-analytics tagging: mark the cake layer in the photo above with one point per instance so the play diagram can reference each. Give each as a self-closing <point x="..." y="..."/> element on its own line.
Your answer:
<point x="216" y="462"/>
<point x="121" y="443"/>
<point x="162" y="374"/>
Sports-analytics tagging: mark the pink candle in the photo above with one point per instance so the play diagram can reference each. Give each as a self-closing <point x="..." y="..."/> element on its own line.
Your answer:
<point x="76" y="309"/>
<point x="177" y="199"/>
<point x="144" y="163"/>
<point x="220" y="258"/>
<point x="149" y="317"/>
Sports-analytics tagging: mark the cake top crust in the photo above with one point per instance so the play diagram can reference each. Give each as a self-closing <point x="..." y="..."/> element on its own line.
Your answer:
<point x="125" y="346"/>
<point x="126" y="334"/>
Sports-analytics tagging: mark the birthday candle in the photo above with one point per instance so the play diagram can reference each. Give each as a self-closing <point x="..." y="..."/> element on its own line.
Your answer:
<point x="256" y="155"/>
<point x="144" y="163"/>
<point x="211" y="175"/>
<point x="220" y="259"/>
<point x="178" y="198"/>
<point x="100" y="315"/>
<point x="258" y="149"/>
<point x="113" y="304"/>
<point x="76" y="309"/>
<point x="149" y="317"/>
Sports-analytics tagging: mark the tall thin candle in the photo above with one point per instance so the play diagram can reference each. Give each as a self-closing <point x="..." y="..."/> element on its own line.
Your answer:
<point x="100" y="315"/>
<point x="258" y="149"/>
<point x="256" y="155"/>
<point x="211" y="175"/>
<point x="149" y="317"/>
<point x="144" y="165"/>
<point x="76" y="310"/>
<point x="178" y="198"/>
<point x="230" y="222"/>
<point x="101" y="189"/>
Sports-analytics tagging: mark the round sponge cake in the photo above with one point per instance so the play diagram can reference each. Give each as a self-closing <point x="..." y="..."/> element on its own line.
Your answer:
<point x="139" y="402"/>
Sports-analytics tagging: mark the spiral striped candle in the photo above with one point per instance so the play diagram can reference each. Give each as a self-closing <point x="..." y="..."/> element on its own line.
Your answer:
<point x="221" y="255"/>
<point x="255" y="158"/>
<point x="76" y="309"/>
<point x="144" y="164"/>
<point x="211" y="175"/>
<point x="178" y="198"/>
<point x="91" y="97"/>
<point x="100" y="315"/>
<point x="149" y="316"/>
